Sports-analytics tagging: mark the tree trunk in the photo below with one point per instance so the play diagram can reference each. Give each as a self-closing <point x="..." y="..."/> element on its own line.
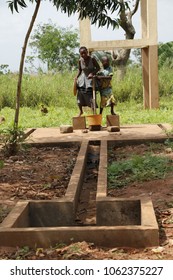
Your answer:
<point x="120" y="57"/>
<point x="19" y="85"/>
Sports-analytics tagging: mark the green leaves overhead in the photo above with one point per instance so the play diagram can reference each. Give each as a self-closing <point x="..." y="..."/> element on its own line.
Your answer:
<point x="99" y="11"/>
<point x="13" y="5"/>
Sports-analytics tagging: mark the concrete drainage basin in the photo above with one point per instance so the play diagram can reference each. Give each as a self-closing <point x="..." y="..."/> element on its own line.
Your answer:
<point x="119" y="222"/>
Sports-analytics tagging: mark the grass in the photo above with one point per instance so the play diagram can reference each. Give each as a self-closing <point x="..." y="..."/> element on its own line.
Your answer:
<point x="56" y="93"/>
<point x="129" y="112"/>
<point x="51" y="90"/>
<point x="138" y="169"/>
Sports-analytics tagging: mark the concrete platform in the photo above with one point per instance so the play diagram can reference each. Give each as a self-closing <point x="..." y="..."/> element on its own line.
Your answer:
<point x="127" y="132"/>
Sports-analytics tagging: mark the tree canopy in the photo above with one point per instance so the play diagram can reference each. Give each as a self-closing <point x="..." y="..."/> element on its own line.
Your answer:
<point x="165" y="52"/>
<point x="165" y="55"/>
<point x="55" y="46"/>
<point x="98" y="11"/>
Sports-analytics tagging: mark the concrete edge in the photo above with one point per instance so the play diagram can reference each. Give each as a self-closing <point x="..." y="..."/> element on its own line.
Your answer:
<point x="121" y="236"/>
<point x="67" y="205"/>
<point x="102" y="172"/>
<point x="74" y="186"/>
<point x="148" y="219"/>
<point x="15" y="214"/>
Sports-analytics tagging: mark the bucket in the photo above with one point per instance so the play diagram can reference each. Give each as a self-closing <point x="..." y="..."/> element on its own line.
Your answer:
<point x="94" y="119"/>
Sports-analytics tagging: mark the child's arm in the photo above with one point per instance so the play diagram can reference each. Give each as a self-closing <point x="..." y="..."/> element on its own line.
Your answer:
<point x="96" y="68"/>
<point x="104" y="77"/>
<point x="105" y="74"/>
<point x="104" y="81"/>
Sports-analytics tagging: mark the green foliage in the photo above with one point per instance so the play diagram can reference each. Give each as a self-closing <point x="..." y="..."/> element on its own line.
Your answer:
<point x="57" y="89"/>
<point x="130" y="112"/>
<point x="169" y="143"/>
<point x="138" y="168"/>
<point x="130" y="88"/>
<point x="56" y="92"/>
<point x="55" y="46"/>
<point x="1" y="164"/>
<point x="99" y="10"/>
<point x="51" y="90"/>
<point x="165" y="55"/>
<point x="99" y="54"/>
<point x="32" y="117"/>
<point x="10" y="140"/>
<point x="4" y="69"/>
<point x="15" y="4"/>
<point x="165" y="82"/>
<point x="8" y="84"/>
<point x="165" y="52"/>
<point x="137" y="55"/>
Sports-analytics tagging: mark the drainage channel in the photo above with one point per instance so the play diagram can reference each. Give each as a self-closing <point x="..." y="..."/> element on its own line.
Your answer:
<point x="40" y="223"/>
<point x="86" y="210"/>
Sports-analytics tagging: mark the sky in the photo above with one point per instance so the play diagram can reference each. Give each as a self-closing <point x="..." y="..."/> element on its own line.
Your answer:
<point x="13" y="27"/>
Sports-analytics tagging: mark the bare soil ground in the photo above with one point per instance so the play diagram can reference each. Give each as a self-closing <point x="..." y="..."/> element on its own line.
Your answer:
<point x="44" y="173"/>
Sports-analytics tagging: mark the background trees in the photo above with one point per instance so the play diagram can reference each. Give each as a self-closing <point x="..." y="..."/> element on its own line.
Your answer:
<point x="55" y="46"/>
<point x="165" y="55"/>
<point x="48" y="33"/>
<point x="165" y="52"/>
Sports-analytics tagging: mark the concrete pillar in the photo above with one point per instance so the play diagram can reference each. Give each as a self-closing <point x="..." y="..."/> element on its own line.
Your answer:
<point x="85" y="32"/>
<point x="150" y="54"/>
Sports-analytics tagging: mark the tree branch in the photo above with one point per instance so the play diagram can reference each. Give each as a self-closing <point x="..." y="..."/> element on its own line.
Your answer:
<point x="135" y="7"/>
